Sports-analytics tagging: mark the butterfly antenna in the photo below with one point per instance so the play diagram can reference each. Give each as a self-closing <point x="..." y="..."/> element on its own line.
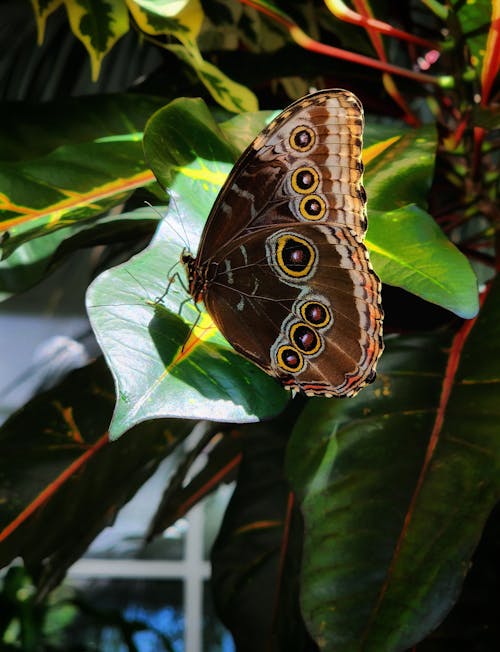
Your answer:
<point x="134" y="278"/>
<point x="182" y="236"/>
<point x="185" y="239"/>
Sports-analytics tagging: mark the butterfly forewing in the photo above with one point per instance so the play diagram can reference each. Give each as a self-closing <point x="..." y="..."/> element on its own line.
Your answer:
<point x="267" y="172"/>
<point x="282" y="267"/>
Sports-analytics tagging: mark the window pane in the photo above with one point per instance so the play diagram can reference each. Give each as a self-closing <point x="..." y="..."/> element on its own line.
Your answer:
<point x="214" y="507"/>
<point x="148" y="613"/>
<point x="125" y="539"/>
<point x="216" y="637"/>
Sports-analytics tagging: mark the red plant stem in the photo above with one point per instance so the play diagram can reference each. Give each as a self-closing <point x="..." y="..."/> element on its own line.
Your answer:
<point x="315" y="46"/>
<point x="279" y="17"/>
<point x="491" y="62"/>
<point x="208" y="486"/>
<point x="363" y="10"/>
<point x="343" y="12"/>
<point x="479" y="134"/>
<point x="459" y="131"/>
<point x="285" y="539"/>
<point x="305" y="41"/>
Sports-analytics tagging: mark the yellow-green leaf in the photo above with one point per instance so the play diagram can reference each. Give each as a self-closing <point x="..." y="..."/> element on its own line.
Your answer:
<point x="42" y="10"/>
<point x="68" y="162"/>
<point x="228" y="93"/>
<point x="98" y="24"/>
<point x="177" y="17"/>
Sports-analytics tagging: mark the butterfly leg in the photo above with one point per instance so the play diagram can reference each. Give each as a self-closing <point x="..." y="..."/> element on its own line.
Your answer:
<point x="174" y="277"/>
<point x="194" y="324"/>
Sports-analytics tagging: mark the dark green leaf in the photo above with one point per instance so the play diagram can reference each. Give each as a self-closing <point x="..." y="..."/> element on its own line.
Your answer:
<point x="255" y="557"/>
<point x="75" y="175"/>
<point x="396" y="485"/>
<point x="32" y="261"/>
<point x="56" y="459"/>
<point x="474" y="18"/>
<point x="32" y="130"/>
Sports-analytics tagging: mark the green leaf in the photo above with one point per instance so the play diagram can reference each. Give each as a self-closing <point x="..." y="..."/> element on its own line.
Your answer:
<point x="474" y="617"/>
<point x="31" y="129"/>
<point x="98" y="24"/>
<point x="409" y="250"/>
<point x="396" y="485"/>
<point x="70" y="184"/>
<point x="160" y="366"/>
<point x="182" y="18"/>
<point x="42" y="10"/>
<point x="475" y="19"/>
<point x="191" y="155"/>
<point x="74" y="173"/>
<point x="183" y="144"/>
<point x="402" y="172"/>
<point x="407" y="247"/>
<point x="34" y="260"/>
<point x="228" y="93"/>
<point x="142" y="339"/>
<point x="240" y="130"/>
<point x="163" y="366"/>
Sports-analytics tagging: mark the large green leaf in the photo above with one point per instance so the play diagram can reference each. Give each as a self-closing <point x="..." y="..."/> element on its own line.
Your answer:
<point x="400" y="166"/>
<point x="163" y="366"/>
<point x="31" y="130"/>
<point x="98" y="24"/>
<point x="33" y="260"/>
<point x="64" y="164"/>
<point x="187" y="150"/>
<point x="396" y="485"/>
<point x="408" y="249"/>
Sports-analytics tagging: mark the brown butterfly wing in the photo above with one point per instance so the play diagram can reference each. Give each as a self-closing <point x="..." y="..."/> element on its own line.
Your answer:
<point x="282" y="267"/>
<point x="266" y="178"/>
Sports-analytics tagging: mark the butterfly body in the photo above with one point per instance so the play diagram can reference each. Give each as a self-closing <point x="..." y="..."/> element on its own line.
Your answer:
<point x="281" y="267"/>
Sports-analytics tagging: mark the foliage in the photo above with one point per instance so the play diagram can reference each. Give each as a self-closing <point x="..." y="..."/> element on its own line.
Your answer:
<point x="353" y="522"/>
<point x="56" y="622"/>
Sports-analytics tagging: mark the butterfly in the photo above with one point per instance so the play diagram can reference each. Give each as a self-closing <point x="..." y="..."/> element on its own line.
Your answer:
<point x="281" y="266"/>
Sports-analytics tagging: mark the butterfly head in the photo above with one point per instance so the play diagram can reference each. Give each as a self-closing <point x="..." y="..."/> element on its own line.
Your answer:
<point x="189" y="263"/>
